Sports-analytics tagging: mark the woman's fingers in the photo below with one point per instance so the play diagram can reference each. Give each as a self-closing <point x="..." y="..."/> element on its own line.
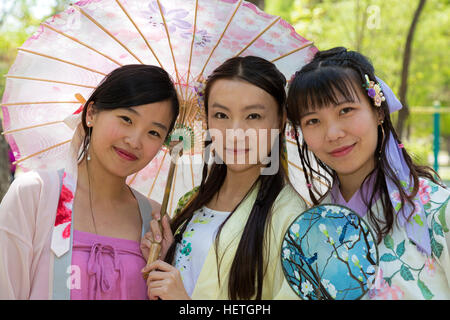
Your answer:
<point x="158" y="265"/>
<point x="156" y="231"/>
<point x="153" y="286"/>
<point x="157" y="289"/>
<point x="145" y="243"/>
<point x="156" y="210"/>
<point x="166" y="228"/>
<point x="155" y="276"/>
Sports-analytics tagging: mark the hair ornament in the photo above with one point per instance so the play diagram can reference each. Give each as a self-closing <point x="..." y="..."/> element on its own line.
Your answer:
<point x="374" y="91"/>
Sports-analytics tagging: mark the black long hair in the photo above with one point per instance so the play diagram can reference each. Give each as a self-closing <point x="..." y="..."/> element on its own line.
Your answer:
<point x="247" y="270"/>
<point x="316" y="85"/>
<point x="129" y="86"/>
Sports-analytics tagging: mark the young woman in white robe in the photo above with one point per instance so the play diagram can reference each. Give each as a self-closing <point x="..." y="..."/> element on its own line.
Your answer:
<point x="228" y="235"/>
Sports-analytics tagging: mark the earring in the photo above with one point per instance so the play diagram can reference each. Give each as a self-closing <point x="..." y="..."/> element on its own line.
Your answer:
<point x="382" y="139"/>
<point x="89" y="141"/>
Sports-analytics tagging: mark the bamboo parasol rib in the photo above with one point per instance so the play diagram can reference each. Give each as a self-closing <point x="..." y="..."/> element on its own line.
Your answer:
<point x="50" y="81"/>
<point x="157" y="173"/>
<point x="191" y="50"/>
<point x="139" y="31"/>
<point x="170" y="45"/>
<point x="9" y="104"/>
<point x="32" y="127"/>
<point x="42" y="151"/>
<point x="220" y="38"/>
<point x="61" y="60"/>
<point x="306" y="45"/>
<point x="107" y="32"/>
<point x="82" y="43"/>
<point x="258" y="36"/>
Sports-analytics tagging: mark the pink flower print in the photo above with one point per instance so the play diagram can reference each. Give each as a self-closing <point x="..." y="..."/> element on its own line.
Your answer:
<point x="202" y="38"/>
<point x="126" y="35"/>
<point x="256" y="10"/>
<point x="238" y="33"/>
<point x="261" y="44"/>
<point x="66" y="232"/>
<point x="287" y="25"/>
<point x="174" y="18"/>
<point x="56" y="17"/>
<point x="79" y="110"/>
<point x="293" y="33"/>
<point x="63" y="214"/>
<point x="150" y="171"/>
<point x="210" y="25"/>
<point x="396" y="196"/>
<point x="430" y="266"/>
<point x="35" y="35"/>
<point x="232" y="45"/>
<point x="424" y="192"/>
<point x="85" y="2"/>
<point x="417" y="207"/>
<point x="291" y="133"/>
<point x="311" y="53"/>
<point x="381" y="290"/>
<point x="249" y="21"/>
<point x="275" y="35"/>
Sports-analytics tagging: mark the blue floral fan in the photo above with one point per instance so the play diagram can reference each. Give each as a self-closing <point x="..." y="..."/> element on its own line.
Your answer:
<point x="329" y="253"/>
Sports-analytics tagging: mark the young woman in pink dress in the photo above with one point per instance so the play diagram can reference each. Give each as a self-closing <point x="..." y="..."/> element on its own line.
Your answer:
<point x="75" y="233"/>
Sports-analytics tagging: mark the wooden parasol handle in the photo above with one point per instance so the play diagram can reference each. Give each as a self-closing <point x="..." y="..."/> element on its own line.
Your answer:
<point x="155" y="247"/>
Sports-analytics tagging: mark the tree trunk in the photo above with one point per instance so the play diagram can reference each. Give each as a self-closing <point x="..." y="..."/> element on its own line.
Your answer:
<point x="404" y="112"/>
<point x="5" y="172"/>
<point x="258" y="3"/>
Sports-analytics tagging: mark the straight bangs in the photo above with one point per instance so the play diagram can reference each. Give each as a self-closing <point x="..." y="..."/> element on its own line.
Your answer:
<point x="318" y="89"/>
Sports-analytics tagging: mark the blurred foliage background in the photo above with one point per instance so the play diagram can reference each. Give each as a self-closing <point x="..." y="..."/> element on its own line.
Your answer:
<point x="377" y="28"/>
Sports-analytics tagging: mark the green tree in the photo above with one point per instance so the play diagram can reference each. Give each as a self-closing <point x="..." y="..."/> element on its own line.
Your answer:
<point x="18" y="21"/>
<point x="379" y="29"/>
<point x="404" y="113"/>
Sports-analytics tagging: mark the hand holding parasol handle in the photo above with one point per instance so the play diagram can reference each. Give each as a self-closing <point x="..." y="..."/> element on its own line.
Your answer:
<point x="155" y="247"/>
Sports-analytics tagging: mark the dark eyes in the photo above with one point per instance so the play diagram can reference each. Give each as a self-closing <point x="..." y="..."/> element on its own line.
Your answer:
<point x="254" y="116"/>
<point x="154" y="133"/>
<point x="128" y="121"/>
<point x="221" y="115"/>
<point x="342" y="112"/>
<point x="346" y="110"/>
<point x="311" y="122"/>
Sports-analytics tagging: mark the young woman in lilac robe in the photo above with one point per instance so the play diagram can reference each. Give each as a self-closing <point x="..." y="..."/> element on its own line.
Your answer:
<point x="343" y="111"/>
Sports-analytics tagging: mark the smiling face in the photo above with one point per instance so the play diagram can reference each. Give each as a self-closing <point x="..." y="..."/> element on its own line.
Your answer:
<point x="344" y="135"/>
<point x="125" y="140"/>
<point x="240" y="119"/>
